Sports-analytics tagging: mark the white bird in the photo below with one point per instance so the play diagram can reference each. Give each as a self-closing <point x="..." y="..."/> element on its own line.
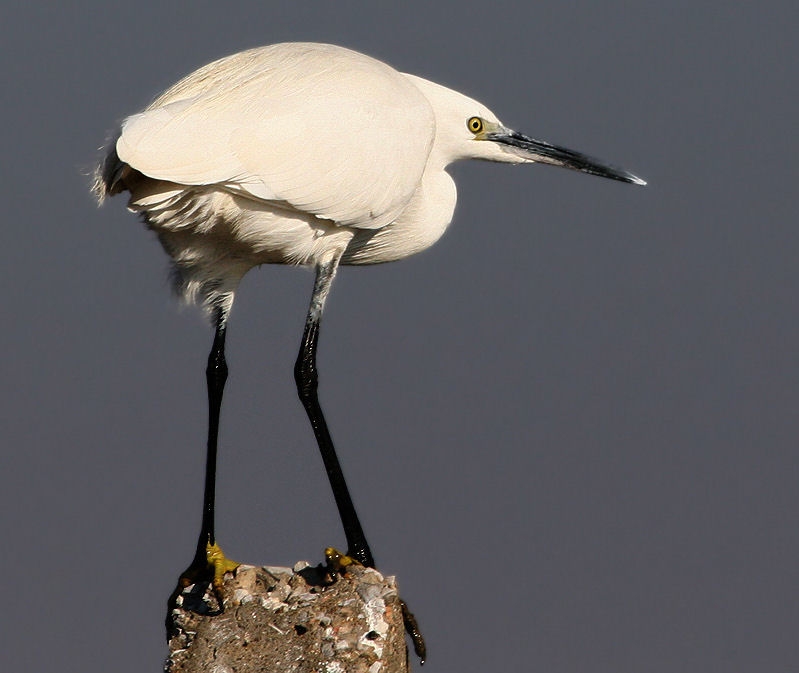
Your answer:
<point x="306" y="154"/>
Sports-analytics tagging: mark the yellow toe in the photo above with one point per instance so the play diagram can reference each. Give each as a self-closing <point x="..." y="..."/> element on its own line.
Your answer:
<point x="219" y="562"/>
<point x="339" y="561"/>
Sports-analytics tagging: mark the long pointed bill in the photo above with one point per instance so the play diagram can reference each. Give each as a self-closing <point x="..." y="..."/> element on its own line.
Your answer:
<point x="542" y="152"/>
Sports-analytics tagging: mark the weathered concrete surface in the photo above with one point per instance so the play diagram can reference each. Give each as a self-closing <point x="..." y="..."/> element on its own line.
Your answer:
<point x="279" y="620"/>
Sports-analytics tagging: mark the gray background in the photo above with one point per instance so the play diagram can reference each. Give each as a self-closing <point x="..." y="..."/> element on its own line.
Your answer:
<point x="570" y="427"/>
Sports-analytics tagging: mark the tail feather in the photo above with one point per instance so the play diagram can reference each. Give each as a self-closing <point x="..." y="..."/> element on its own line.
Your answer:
<point x="109" y="173"/>
<point x="184" y="220"/>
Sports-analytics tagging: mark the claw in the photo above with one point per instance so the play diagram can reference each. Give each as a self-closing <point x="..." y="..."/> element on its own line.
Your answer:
<point x="210" y="571"/>
<point x="338" y="562"/>
<point x="219" y="562"/>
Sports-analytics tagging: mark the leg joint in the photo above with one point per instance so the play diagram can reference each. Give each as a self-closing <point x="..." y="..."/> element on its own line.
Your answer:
<point x="216" y="372"/>
<point x="306" y="376"/>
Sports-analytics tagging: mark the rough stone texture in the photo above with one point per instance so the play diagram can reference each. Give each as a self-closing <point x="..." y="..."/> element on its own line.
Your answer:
<point x="280" y="620"/>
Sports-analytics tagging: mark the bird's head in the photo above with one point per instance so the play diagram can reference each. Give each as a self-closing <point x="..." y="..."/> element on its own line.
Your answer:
<point x="466" y="129"/>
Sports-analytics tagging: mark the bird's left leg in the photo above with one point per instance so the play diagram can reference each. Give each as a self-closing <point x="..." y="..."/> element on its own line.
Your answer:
<point x="209" y="564"/>
<point x="307" y="379"/>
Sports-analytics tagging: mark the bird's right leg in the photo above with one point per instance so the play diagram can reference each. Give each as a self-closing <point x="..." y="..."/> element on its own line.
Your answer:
<point x="209" y="564"/>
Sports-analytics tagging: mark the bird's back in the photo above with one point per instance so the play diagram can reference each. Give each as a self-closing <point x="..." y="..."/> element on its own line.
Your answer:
<point x="280" y="154"/>
<point x="321" y="129"/>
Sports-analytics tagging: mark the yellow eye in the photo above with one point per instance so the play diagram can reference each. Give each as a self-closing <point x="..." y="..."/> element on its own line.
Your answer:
<point x="475" y="124"/>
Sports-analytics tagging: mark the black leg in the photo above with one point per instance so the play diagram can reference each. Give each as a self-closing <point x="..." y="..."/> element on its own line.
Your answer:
<point x="215" y="377"/>
<point x="209" y="563"/>
<point x="307" y="379"/>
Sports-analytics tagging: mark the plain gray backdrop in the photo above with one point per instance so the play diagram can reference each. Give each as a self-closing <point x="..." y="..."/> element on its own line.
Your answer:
<point x="569" y="427"/>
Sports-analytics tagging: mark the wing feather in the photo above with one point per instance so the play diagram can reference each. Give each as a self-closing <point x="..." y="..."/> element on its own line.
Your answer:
<point x="326" y="130"/>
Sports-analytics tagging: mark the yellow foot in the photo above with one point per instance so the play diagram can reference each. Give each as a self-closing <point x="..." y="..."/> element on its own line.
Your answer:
<point x="202" y="573"/>
<point x="338" y="562"/>
<point x="220" y="563"/>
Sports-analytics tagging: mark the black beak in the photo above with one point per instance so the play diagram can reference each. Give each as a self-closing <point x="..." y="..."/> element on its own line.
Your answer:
<point x="543" y="152"/>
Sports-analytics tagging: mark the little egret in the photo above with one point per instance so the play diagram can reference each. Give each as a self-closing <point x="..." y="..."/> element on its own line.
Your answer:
<point x="305" y="154"/>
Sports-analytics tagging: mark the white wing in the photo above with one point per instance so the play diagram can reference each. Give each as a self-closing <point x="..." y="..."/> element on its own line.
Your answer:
<point x="326" y="130"/>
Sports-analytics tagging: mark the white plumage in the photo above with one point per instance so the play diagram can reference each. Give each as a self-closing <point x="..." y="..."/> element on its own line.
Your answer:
<point x="288" y="154"/>
<point x="300" y="154"/>
<point x="292" y="153"/>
